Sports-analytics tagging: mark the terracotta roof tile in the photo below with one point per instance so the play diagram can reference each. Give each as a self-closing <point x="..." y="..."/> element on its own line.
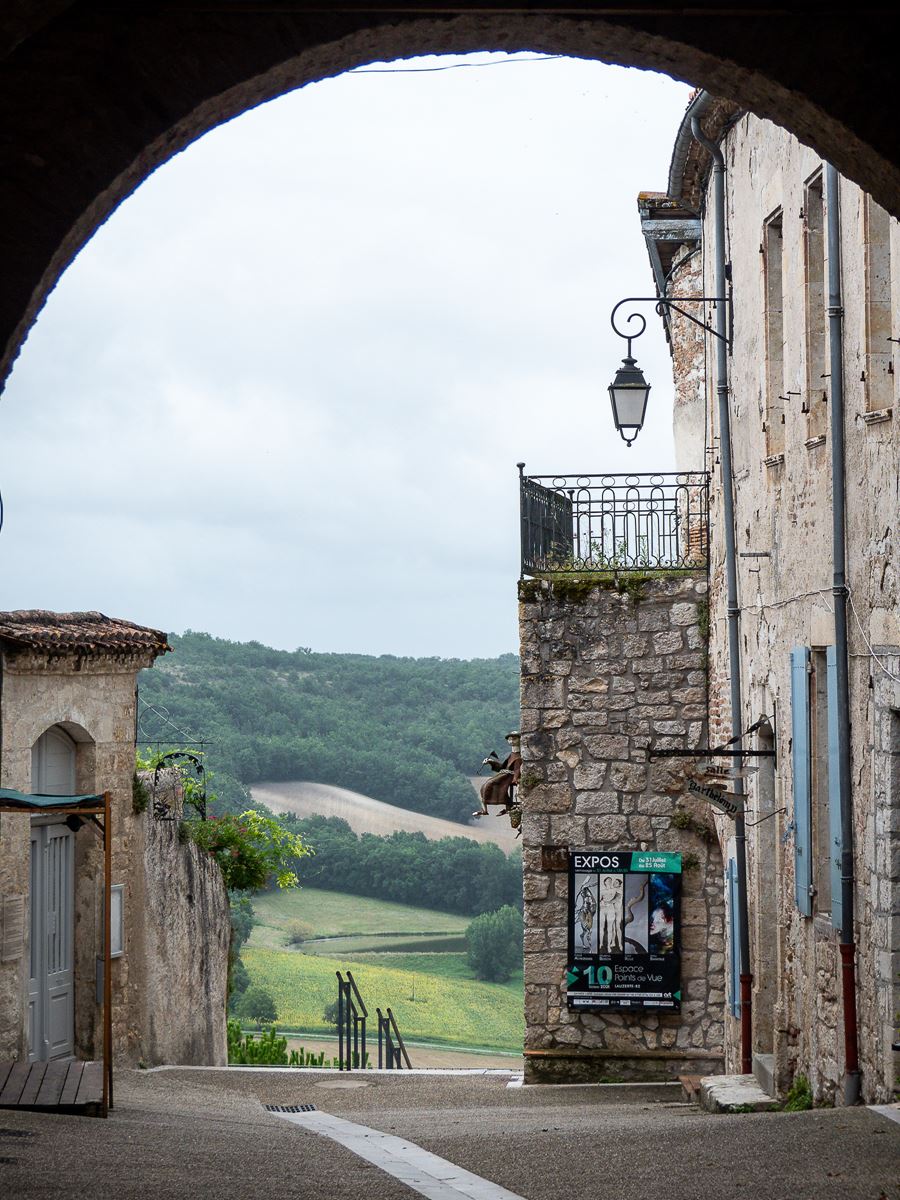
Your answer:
<point x="77" y="633"/>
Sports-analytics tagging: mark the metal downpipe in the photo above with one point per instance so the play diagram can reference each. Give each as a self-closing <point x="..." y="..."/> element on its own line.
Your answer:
<point x="734" y="612"/>
<point x="840" y="592"/>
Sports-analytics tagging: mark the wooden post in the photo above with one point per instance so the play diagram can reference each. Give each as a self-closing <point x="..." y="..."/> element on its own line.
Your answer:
<point x="107" y="956"/>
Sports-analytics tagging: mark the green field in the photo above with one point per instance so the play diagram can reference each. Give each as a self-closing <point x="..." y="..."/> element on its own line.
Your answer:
<point x="335" y="914"/>
<point x="433" y="996"/>
<point x="409" y="959"/>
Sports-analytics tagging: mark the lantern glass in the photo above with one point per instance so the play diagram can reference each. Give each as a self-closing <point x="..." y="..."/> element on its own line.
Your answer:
<point x="628" y="393"/>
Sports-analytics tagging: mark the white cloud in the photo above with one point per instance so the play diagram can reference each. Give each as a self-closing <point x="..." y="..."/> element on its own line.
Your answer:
<point x="282" y="392"/>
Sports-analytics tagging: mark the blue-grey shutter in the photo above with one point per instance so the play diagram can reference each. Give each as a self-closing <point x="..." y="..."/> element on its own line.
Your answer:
<point x="834" y="791"/>
<point x="803" y="876"/>
<point x="734" y="940"/>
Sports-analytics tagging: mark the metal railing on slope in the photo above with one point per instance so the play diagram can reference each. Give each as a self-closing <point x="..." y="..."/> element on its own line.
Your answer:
<point x="391" y="1050"/>
<point x="352" y="1016"/>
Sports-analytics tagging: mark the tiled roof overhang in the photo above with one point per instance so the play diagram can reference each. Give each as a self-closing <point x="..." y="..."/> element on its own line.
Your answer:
<point x="78" y="633"/>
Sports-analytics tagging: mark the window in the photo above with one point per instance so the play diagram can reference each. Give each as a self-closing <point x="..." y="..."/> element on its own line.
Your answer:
<point x="879" y="367"/>
<point x="773" y="268"/>
<point x="815" y="400"/>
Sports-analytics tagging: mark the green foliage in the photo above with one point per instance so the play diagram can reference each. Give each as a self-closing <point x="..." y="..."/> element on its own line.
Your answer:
<point x="268" y="1050"/>
<point x="452" y="874"/>
<point x="139" y="796"/>
<point x="799" y="1097"/>
<point x="495" y="944"/>
<point x="406" y="731"/>
<point x="257" y="1005"/>
<point x="243" y="917"/>
<point x="194" y="789"/>
<point x="238" y="979"/>
<point x="250" y="849"/>
<point x="330" y="1013"/>
<point x="451" y="1008"/>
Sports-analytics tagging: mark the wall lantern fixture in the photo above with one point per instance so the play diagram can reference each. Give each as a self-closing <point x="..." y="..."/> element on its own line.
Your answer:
<point x="629" y="391"/>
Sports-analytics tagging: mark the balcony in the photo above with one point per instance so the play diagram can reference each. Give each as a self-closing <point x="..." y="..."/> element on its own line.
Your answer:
<point x="596" y="524"/>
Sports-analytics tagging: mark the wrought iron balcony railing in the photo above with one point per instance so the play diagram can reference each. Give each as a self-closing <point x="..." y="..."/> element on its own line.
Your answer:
<point x="588" y="523"/>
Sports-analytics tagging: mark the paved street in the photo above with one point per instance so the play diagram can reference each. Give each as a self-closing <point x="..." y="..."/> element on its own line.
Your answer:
<point x="201" y="1134"/>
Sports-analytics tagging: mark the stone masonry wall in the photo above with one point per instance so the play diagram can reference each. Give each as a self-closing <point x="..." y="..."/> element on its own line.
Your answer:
<point x="783" y="503"/>
<point x="607" y="676"/>
<point x="169" y="984"/>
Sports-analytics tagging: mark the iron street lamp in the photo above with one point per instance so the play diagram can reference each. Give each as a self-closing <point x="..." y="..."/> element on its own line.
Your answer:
<point x="629" y="391"/>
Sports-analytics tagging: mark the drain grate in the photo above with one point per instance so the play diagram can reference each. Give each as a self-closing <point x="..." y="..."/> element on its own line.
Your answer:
<point x="5" y="1133"/>
<point x="290" y="1108"/>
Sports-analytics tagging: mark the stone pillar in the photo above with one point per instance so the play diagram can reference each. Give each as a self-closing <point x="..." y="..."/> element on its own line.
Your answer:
<point x="610" y="671"/>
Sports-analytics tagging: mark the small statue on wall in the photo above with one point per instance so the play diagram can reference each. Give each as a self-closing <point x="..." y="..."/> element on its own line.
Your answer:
<point x="503" y="786"/>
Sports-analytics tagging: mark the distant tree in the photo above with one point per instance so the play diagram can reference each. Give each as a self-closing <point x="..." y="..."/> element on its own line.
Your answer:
<point x="238" y="982"/>
<point x="330" y="1013"/>
<point x="243" y="918"/>
<point x="257" y="1005"/>
<point x="494" y="944"/>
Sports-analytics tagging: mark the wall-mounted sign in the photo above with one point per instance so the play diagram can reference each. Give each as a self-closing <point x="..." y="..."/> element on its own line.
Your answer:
<point x="726" y="802"/>
<point x="624" y="930"/>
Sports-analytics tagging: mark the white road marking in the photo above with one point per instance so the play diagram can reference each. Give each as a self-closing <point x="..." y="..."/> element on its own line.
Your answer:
<point x="891" y="1111"/>
<point x="425" y="1173"/>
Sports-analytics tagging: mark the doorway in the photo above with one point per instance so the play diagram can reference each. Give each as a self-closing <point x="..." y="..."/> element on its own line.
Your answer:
<point x="51" y="976"/>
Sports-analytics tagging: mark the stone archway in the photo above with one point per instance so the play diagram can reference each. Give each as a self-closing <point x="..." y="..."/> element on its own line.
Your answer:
<point x="95" y="97"/>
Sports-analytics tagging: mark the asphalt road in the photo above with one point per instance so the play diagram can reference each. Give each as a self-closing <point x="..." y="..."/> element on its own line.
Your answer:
<point x="199" y="1134"/>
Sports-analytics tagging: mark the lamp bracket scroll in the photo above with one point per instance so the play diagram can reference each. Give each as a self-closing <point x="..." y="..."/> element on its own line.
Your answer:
<point x="667" y="304"/>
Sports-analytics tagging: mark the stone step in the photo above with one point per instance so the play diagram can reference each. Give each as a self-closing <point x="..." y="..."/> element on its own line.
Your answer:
<point x="764" y="1072"/>
<point x="733" y="1093"/>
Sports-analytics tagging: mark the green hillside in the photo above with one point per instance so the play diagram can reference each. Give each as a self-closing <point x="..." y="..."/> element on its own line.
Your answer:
<point x="401" y="956"/>
<point x="335" y="915"/>
<point x="429" y="994"/>
<point x="403" y="730"/>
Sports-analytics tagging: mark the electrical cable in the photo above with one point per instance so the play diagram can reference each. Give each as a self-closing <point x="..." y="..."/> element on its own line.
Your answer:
<point x="500" y="62"/>
<point x="872" y="654"/>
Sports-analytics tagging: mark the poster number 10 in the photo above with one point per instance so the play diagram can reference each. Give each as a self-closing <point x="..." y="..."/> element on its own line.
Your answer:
<point x="599" y="976"/>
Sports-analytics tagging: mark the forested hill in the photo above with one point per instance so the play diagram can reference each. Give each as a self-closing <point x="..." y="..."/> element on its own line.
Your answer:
<point x="404" y="730"/>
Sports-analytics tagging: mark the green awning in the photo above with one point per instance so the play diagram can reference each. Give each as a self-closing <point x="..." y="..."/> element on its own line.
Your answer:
<point x="13" y="799"/>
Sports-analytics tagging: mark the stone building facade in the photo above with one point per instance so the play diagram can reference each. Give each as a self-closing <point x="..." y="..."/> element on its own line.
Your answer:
<point x="67" y="726"/>
<point x="609" y="676"/>
<point x="780" y="393"/>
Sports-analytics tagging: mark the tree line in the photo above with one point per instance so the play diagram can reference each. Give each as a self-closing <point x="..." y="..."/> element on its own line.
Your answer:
<point x="452" y="875"/>
<point x="407" y="731"/>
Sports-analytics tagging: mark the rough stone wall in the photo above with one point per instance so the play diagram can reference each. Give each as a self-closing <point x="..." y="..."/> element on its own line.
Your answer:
<point x="177" y="1003"/>
<point x="783" y="511"/>
<point x="607" y="676"/>
<point x="94" y="700"/>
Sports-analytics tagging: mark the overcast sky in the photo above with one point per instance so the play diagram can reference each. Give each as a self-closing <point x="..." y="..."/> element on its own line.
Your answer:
<point x="282" y="393"/>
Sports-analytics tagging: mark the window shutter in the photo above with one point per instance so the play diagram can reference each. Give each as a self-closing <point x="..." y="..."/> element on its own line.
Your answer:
<point x="734" y="940"/>
<point x="803" y="876"/>
<point x="835" y="842"/>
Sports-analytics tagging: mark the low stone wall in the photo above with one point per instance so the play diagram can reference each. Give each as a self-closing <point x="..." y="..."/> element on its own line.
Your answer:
<point x="607" y="676"/>
<point x="174" y="1009"/>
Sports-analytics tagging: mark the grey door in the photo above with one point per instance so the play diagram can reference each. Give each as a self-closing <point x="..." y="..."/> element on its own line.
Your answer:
<point x="51" y="991"/>
<point x="51" y="983"/>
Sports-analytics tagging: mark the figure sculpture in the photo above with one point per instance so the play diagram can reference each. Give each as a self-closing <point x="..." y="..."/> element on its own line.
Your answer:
<point x="609" y="911"/>
<point x="502" y="787"/>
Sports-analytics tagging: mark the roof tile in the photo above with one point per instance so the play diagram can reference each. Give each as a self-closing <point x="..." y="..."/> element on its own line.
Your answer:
<point x="82" y="633"/>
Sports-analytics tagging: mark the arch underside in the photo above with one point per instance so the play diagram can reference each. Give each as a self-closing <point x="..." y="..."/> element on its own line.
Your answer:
<point x="96" y="98"/>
